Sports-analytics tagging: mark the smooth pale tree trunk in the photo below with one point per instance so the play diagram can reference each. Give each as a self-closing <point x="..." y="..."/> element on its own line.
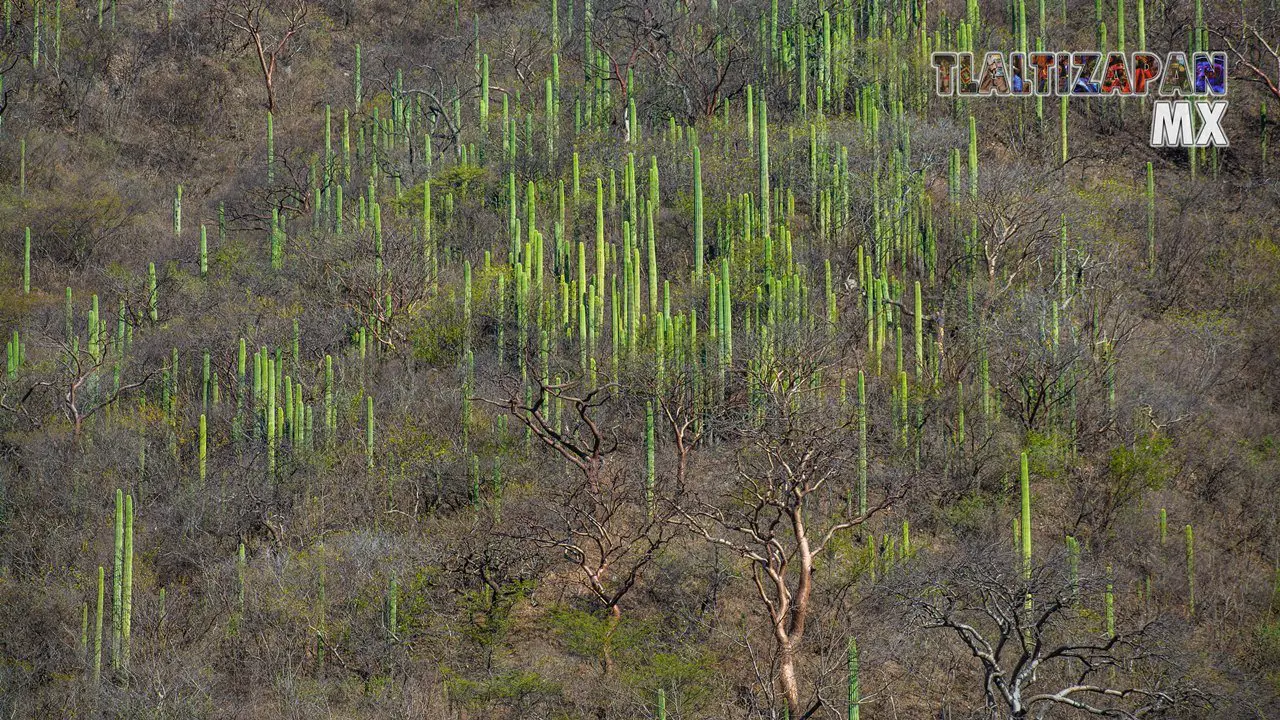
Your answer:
<point x="789" y="621"/>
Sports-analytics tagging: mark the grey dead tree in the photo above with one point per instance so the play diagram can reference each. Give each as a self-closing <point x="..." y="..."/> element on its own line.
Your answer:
<point x="1054" y="654"/>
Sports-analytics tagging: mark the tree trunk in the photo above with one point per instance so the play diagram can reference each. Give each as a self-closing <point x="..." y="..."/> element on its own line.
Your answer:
<point x="615" y="615"/>
<point x="787" y="676"/>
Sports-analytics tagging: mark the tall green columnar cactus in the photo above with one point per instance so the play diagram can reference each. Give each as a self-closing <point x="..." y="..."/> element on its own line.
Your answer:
<point x="97" y="627"/>
<point x="855" y="690"/>
<point x="330" y="410"/>
<point x="13" y="355"/>
<point x="94" y="345"/>
<point x="468" y="389"/>
<point x="662" y="705"/>
<point x="337" y="209"/>
<point x="904" y="404"/>
<point x="549" y="119"/>
<point x="1099" y="25"/>
<point x="802" y="69"/>
<point x="1201" y="33"/>
<point x="368" y="448"/>
<point x="1073" y="566"/>
<point x="650" y="466"/>
<point x="600" y="249"/>
<point x="359" y="85"/>
<point x="375" y="210"/>
<point x="473" y="475"/>
<point x="697" y="213"/>
<point x="237" y="423"/>
<point x="204" y="251"/>
<point x="35" y="34"/>
<point x="833" y="316"/>
<point x="26" y="262"/>
<point x="203" y="448"/>
<point x="1151" y="219"/>
<point x="1191" y="573"/>
<point x="1021" y="21"/>
<point x="346" y="146"/>
<point x="117" y="585"/>
<point x="177" y="211"/>
<point x="764" y="168"/>
<point x="862" y="444"/>
<point x="651" y="251"/>
<point x="1164" y="526"/>
<point x="466" y="305"/>
<point x="1120" y="25"/>
<point x="726" y="316"/>
<point x="153" y="294"/>
<point x="633" y="119"/>
<point x="327" y="165"/>
<point x="1026" y="519"/>
<point x="277" y="240"/>
<point x="173" y="386"/>
<point x="484" y="94"/>
<point x="973" y="157"/>
<point x="126" y="589"/>
<point x="269" y="409"/>
<point x="1062" y="125"/>
<point x="1142" y="25"/>
<point x="919" y="334"/>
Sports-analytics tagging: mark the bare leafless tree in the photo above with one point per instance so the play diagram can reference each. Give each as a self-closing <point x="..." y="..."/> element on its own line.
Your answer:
<point x="1041" y="645"/>
<point x="699" y="55"/>
<point x="1014" y="223"/>
<point x="1246" y="40"/>
<point x="254" y="18"/>
<point x="79" y="387"/>
<point x="604" y="521"/>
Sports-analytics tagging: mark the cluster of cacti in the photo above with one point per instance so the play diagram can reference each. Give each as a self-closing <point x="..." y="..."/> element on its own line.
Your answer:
<point x="14" y="352"/>
<point x="855" y="689"/>
<point x="121" y="599"/>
